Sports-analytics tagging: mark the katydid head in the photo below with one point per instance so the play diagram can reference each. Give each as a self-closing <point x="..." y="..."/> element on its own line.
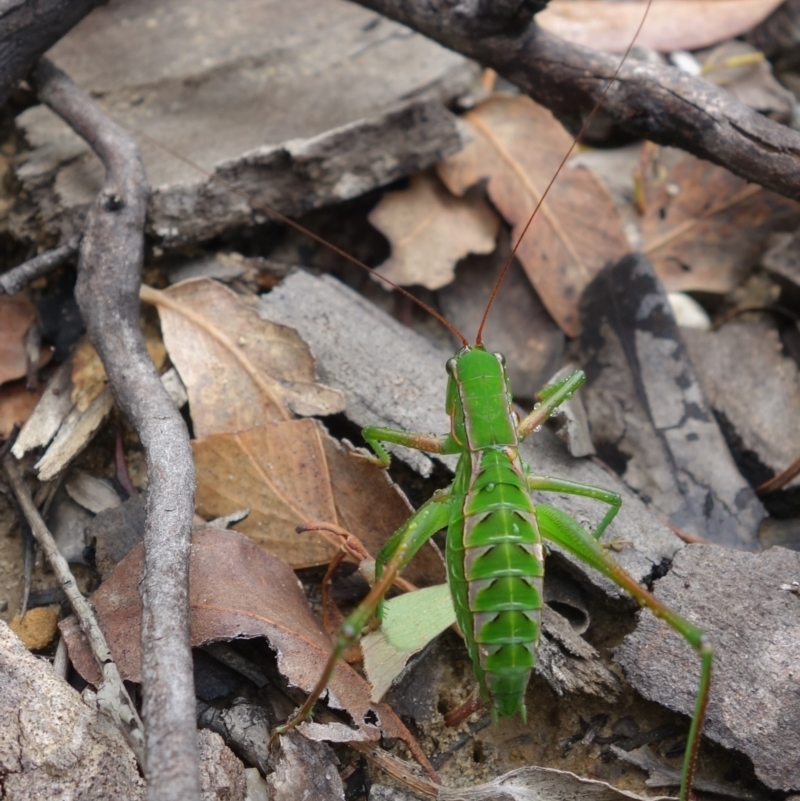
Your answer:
<point x="479" y="399"/>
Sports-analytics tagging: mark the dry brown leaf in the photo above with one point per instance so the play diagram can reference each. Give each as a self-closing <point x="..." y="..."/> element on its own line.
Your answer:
<point x="279" y="472"/>
<point x="703" y="227"/>
<point x="240" y="371"/>
<point x="670" y="25"/>
<point x="236" y="591"/>
<point x="430" y="230"/>
<point x="16" y="317"/>
<point x="518" y="146"/>
<point x="16" y="405"/>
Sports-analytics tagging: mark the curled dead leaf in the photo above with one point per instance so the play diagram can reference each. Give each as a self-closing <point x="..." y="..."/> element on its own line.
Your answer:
<point x="430" y="230"/>
<point x="240" y="371"/>
<point x="236" y="591"/>
<point x="577" y="230"/>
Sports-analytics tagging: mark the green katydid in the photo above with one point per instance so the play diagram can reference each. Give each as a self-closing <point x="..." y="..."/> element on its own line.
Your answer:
<point x="495" y="552"/>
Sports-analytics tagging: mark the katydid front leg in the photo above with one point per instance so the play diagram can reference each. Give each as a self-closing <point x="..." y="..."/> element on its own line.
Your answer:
<point x="550" y="398"/>
<point x="560" y="528"/>
<point x="429" y="443"/>
<point x="393" y="557"/>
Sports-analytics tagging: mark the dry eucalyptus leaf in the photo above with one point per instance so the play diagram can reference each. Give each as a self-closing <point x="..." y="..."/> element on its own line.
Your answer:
<point x="16" y="317"/>
<point x="240" y="371"/>
<point x="576" y="231"/>
<point x="370" y="506"/>
<point x="703" y="227"/>
<point x="279" y="471"/>
<point x="236" y="591"/>
<point x="670" y="25"/>
<point x="430" y="230"/>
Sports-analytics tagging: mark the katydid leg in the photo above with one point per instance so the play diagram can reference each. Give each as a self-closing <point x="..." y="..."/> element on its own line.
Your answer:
<point x="397" y="553"/>
<point x="429" y="443"/>
<point x="613" y="499"/>
<point x="551" y="397"/>
<point x="560" y="528"/>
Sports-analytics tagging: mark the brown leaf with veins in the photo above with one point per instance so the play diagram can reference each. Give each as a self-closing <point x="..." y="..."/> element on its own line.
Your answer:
<point x="703" y="227"/>
<point x="240" y="371"/>
<point x="236" y="591"/>
<point x="518" y="146"/>
<point x="372" y="507"/>
<point x="280" y="473"/>
<point x="430" y="230"/>
<point x="670" y="25"/>
<point x="17" y="315"/>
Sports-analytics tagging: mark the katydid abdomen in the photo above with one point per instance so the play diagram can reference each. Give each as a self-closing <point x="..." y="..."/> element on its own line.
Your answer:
<point x="495" y="560"/>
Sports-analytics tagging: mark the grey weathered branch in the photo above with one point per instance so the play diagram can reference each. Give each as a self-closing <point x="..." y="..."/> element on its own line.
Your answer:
<point x="107" y="291"/>
<point x="28" y="29"/>
<point x="651" y="101"/>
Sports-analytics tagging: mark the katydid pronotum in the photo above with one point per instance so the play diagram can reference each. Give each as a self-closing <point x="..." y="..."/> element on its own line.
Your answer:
<point x="495" y="553"/>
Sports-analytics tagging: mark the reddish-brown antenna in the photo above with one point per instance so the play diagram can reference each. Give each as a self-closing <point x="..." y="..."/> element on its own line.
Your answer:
<point x="496" y="288"/>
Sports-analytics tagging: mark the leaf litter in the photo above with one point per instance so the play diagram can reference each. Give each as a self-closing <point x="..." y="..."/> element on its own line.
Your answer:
<point x="236" y="591"/>
<point x="577" y="229"/>
<point x="240" y="405"/>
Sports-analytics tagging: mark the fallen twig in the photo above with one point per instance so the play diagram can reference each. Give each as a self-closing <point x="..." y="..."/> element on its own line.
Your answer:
<point x="112" y="697"/>
<point x="20" y="276"/>
<point x="651" y="101"/>
<point x="107" y="291"/>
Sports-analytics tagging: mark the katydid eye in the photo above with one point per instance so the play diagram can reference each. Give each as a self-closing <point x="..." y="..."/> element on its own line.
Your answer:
<point x="500" y="358"/>
<point x="451" y="367"/>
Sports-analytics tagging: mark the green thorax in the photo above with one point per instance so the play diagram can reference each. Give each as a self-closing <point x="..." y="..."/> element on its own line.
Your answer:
<point x="479" y="400"/>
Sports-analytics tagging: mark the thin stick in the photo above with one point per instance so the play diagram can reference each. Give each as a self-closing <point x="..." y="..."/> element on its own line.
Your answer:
<point x="107" y="291"/>
<point x="20" y="276"/>
<point x="112" y="697"/>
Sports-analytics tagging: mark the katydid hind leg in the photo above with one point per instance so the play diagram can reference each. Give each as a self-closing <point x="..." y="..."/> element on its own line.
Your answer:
<point x="565" y="487"/>
<point x="560" y="528"/>
<point x="393" y="557"/>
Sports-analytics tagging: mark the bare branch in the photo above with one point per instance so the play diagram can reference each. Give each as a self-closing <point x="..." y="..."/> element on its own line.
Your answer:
<point x="28" y="29"/>
<point x="650" y="101"/>
<point x="107" y="292"/>
<point x="112" y="697"/>
<point x="20" y="276"/>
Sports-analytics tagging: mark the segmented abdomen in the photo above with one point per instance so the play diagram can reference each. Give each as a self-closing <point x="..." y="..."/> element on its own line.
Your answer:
<point x="495" y="567"/>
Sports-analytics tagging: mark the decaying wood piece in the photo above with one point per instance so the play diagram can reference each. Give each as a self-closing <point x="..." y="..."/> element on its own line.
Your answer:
<point x="107" y="292"/>
<point x="258" y="93"/>
<point x="52" y="742"/>
<point x="649" y="418"/>
<point x="746" y="606"/>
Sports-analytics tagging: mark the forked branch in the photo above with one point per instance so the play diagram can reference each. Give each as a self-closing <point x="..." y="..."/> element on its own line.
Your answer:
<point x="658" y="103"/>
